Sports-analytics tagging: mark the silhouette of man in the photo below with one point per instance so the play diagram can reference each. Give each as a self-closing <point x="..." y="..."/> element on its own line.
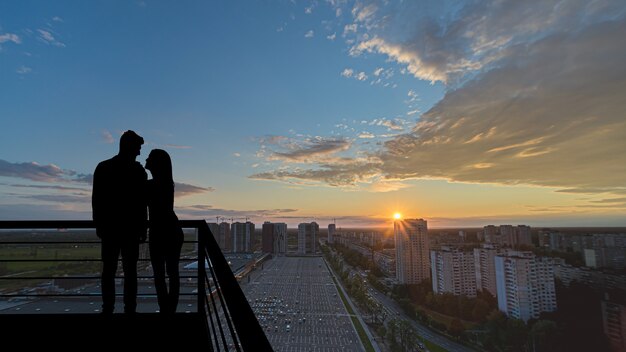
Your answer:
<point x="120" y="216"/>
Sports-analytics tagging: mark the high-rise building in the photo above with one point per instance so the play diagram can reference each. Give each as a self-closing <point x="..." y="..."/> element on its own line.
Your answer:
<point x="522" y="236"/>
<point x="453" y="272"/>
<point x="274" y="238"/>
<point x="241" y="234"/>
<point x="508" y="235"/>
<point x="489" y="233"/>
<point x="485" y="268"/>
<point x="307" y="237"/>
<point x="221" y="233"/>
<point x="525" y="285"/>
<point x="225" y="240"/>
<point x="614" y="322"/>
<point x="331" y="233"/>
<point x="412" y="251"/>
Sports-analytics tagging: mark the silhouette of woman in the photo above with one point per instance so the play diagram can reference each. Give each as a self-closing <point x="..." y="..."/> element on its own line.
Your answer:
<point x="166" y="236"/>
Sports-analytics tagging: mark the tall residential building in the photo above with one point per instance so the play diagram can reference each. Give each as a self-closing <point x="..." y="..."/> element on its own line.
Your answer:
<point x="225" y="241"/>
<point x="412" y="251"/>
<point x="485" y="268"/>
<point x="453" y="272"/>
<point x="274" y="238"/>
<point x="489" y="233"/>
<point x="241" y="234"/>
<point x="614" y="322"/>
<point x="509" y="235"/>
<point x="307" y="237"/>
<point x="523" y="236"/>
<point x="221" y="233"/>
<point x="525" y="285"/>
<point x="331" y="233"/>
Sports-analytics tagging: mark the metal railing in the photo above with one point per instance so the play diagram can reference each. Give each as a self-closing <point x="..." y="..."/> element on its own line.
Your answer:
<point x="230" y="322"/>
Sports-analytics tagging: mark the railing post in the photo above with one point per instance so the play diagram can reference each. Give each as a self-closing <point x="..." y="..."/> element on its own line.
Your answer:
<point x="202" y="241"/>
<point x="250" y="332"/>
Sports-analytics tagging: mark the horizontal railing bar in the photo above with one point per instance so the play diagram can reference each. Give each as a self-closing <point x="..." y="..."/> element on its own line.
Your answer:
<point x="49" y="242"/>
<point x="81" y="277"/>
<point x="65" y="242"/>
<point x="75" y="224"/>
<point x="95" y="294"/>
<point x="58" y="260"/>
<point x="75" y="260"/>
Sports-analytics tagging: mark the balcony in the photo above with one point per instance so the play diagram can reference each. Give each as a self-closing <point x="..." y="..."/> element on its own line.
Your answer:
<point x="213" y="311"/>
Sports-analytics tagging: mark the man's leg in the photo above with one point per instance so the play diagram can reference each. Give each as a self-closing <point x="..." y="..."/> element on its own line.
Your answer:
<point x="130" y="256"/>
<point x="110" y="252"/>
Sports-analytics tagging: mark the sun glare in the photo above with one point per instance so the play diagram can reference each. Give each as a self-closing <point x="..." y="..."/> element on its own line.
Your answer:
<point x="397" y="216"/>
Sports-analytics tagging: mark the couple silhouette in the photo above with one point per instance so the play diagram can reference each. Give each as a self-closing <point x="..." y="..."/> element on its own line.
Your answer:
<point x="122" y="200"/>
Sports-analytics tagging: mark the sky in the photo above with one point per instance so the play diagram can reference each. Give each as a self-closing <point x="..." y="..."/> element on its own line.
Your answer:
<point x="464" y="113"/>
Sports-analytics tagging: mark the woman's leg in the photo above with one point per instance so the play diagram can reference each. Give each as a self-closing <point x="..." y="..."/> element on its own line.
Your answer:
<point x="173" y="259"/>
<point x="157" y="258"/>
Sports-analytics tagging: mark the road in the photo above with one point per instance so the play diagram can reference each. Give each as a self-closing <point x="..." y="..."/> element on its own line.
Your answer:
<point x="394" y="310"/>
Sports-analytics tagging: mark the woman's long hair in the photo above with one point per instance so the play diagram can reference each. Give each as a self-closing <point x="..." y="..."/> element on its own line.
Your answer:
<point x="161" y="166"/>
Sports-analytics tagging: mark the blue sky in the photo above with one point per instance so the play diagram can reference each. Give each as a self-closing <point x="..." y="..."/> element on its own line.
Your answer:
<point x="463" y="113"/>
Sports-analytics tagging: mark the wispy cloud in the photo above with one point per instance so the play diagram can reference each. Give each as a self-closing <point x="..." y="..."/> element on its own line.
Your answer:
<point x="47" y="37"/>
<point x="23" y="70"/>
<point x="59" y="198"/>
<point x="350" y="73"/>
<point x="107" y="137"/>
<point x="347" y="72"/>
<point x="611" y="200"/>
<point x="41" y="173"/>
<point x="331" y="36"/>
<point x="308" y="150"/>
<point x="185" y="189"/>
<point x="52" y="187"/>
<point x="343" y="172"/>
<point x="10" y="37"/>
<point x="309" y="34"/>
<point x="209" y="212"/>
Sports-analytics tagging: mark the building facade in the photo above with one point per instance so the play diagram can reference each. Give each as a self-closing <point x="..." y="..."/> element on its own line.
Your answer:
<point x="331" y="233"/>
<point x="274" y="238"/>
<point x="242" y="234"/>
<point x="525" y="285"/>
<point x="412" y="251"/>
<point x="307" y="237"/>
<point x="485" y="268"/>
<point x="452" y="271"/>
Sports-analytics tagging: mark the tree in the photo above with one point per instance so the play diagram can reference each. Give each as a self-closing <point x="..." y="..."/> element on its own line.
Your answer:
<point x="480" y="311"/>
<point x="456" y="328"/>
<point x="543" y="336"/>
<point x="516" y="335"/>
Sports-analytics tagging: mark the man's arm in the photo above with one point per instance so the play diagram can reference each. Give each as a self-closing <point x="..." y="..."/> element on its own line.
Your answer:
<point x="143" y="236"/>
<point x="96" y="201"/>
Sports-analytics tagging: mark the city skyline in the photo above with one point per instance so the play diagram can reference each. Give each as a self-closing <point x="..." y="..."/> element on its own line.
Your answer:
<point x="463" y="114"/>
